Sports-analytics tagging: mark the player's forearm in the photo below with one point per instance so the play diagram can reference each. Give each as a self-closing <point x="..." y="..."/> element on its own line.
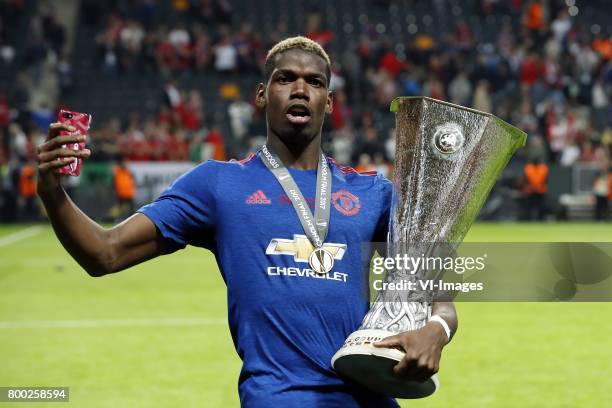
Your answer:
<point x="446" y="310"/>
<point x="85" y="240"/>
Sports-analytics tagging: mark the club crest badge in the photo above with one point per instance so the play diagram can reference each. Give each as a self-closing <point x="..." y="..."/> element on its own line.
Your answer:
<point x="346" y="203"/>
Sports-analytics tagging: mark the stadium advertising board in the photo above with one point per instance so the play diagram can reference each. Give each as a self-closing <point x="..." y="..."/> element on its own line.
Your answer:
<point x="153" y="177"/>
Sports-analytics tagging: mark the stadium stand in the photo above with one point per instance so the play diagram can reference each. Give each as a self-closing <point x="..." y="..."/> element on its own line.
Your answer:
<point x="174" y="80"/>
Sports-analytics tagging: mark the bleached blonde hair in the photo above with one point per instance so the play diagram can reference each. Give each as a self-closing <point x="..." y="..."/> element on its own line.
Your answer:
<point x="292" y="43"/>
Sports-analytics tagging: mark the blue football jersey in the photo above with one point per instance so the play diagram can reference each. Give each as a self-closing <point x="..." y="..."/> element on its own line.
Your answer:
<point x="286" y="321"/>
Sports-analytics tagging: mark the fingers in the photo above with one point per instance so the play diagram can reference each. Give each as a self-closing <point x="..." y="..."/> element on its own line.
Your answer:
<point x="47" y="156"/>
<point x="392" y="341"/>
<point x="417" y="368"/>
<point x="418" y="363"/>
<point x="59" y="141"/>
<point x="54" y="153"/>
<point x="56" y="164"/>
<point x="56" y="128"/>
<point x="425" y="371"/>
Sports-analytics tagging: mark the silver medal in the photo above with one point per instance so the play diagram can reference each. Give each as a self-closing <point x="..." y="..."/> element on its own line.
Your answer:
<point x="321" y="261"/>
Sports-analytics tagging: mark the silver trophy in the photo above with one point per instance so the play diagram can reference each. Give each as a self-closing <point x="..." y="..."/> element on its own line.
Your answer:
<point x="447" y="160"/>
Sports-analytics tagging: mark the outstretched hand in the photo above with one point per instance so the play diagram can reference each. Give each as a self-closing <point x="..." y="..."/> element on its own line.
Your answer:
<point x="423" y="348"/>
<point x="52" y="156"/>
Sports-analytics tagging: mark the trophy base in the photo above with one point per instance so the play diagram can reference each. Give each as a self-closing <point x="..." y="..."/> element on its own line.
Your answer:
<point x="372" y="367"/>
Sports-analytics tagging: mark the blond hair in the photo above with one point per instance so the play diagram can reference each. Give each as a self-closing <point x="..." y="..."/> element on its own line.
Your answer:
<point x="292" y="43"/>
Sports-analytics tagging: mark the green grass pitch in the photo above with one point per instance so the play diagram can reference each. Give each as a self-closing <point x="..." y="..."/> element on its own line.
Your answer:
<point x="156" y="335"/>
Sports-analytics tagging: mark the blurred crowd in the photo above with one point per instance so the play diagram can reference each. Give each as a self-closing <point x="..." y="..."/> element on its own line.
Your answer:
<point x="132" y="42"/>
<point x="541" y="69"/>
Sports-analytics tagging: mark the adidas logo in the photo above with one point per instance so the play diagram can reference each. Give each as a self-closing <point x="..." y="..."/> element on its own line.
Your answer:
<point x="258" y="197"/>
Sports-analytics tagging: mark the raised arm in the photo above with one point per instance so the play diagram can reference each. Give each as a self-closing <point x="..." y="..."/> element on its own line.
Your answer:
<point x="98" y="250"/>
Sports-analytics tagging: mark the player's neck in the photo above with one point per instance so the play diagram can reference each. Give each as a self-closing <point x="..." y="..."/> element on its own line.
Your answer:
<point x="301" y="157"/>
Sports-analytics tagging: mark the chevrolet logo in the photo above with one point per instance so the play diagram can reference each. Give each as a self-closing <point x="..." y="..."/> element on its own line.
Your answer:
<point x="301" y="248"/>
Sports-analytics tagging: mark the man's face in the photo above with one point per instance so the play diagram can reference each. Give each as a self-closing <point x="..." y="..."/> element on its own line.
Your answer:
<point x="296" y="97"/>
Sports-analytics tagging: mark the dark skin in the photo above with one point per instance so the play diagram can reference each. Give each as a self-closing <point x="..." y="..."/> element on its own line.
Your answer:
<point x="296" y="99"/>
<point x="423" y="347"/>
<point x="299" y="80"/>
<point x="98" y="250"/>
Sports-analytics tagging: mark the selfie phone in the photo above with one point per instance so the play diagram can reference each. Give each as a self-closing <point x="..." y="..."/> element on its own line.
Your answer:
<point x="81" y="122"/>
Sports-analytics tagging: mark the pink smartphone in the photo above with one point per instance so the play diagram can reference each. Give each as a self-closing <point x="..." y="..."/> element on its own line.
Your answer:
<point x="81" y="122"/>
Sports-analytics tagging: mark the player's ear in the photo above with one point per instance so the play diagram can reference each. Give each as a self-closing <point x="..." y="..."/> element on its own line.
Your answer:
<point x="329" y="103"/>
<point x="260" y="96"/>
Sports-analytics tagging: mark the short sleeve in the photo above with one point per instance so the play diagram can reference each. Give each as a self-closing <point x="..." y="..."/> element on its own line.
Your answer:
<point x="382" y="226"/>
<point x="185" y="212"/>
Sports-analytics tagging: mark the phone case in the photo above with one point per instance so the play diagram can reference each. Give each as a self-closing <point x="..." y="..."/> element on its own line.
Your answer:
<point x="81" y="122"/>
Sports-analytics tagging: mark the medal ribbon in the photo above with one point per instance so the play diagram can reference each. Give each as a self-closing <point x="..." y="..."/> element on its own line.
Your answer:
<point x="316" y="227"/>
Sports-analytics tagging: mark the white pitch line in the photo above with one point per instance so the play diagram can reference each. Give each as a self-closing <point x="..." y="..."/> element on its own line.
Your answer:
<point x="19" y="235"/>
<point x="78" y="324"/>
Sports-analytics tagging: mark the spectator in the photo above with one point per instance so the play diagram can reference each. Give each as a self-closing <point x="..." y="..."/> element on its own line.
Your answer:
<point x="463" y="35"/>
<point x="390" y="145"/>
<point x="246" y="49"/>
<point x="241" y="116"/>
<point x="172" y="95"/>
<point x="570" y="154"/>
<point x="131" y="37"/>
<point x="176" y="146"/>
<point x="531" y="70"/>
<point x="315" y="32"/>
<point x="536" y="177"/>
<point x="36" y="55"/>
<point x="434" y="88"/>
<point x="53" y="32"/>
<point x="601" y="103"/>
<point x="536" y="148"/>
<point x="381" y="165"/>
<point x="107" y="43"/>
<point x="342" y="144"/>
<point x="226" y="56"/>
<point x="27" y="192"/>
<point x="341" y="112"/>
<point x="18" y="142"/>
<point x="365" y="163"/>
<point x="601" y="191"/>
<point x="65" y="76"/>
<point x="5" y="115"/>
<point x="460" y="89"/>
<point x="192" y="112"/>
<point x="202" y="51"/>
<point x="561" y="26"/>
<point x="125" y="189"/>
<point x="525" y="119"/>
<point x="392" y="64"/>
<point x="482" y="97"/>
<point x="214" y="141"/>
<point x="179" y="37"/>
<point x="603" y="46"/>
<point x="370" y="144"/>
<point x="534" y="20"/>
